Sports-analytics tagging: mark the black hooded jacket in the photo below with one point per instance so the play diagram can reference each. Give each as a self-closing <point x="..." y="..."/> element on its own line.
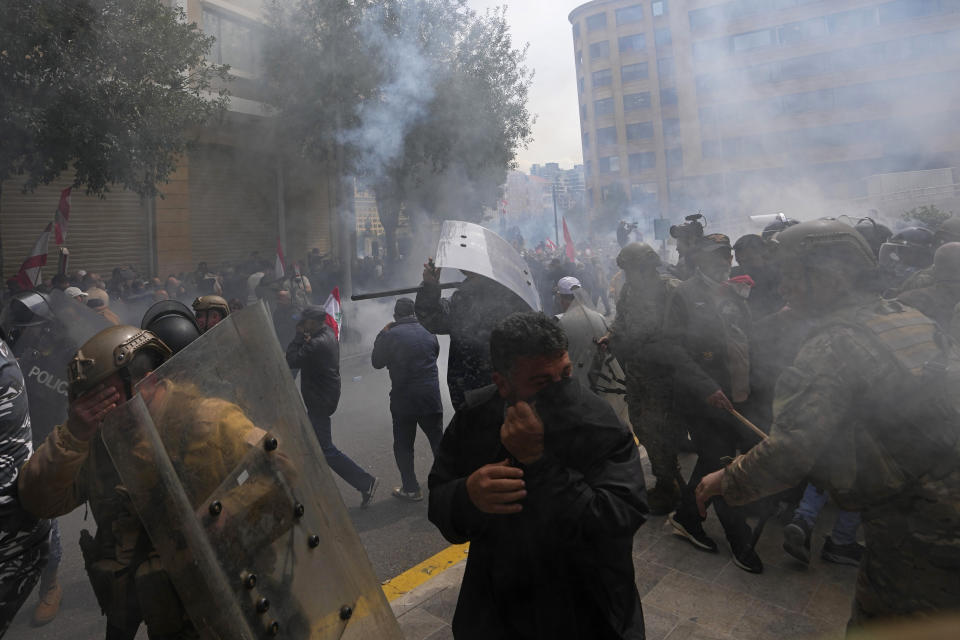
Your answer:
<point x="319" y="362"/>
<point x="562" y="568"/>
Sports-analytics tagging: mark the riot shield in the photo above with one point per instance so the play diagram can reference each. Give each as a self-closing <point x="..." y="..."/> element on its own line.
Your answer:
<point x="228" y="478"/>
<point x="44" y="350"/>
<point x="470" y="247"/>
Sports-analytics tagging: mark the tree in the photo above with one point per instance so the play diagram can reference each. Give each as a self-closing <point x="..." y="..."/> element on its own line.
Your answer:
<point x="431" y="113"/>
<point x="928" y="216"/>
<point x="111" y="89"/>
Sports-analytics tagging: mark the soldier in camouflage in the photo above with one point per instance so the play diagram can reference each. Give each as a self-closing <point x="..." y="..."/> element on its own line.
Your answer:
<point x="937" y="300"/>
<point x="635" y="340"/>
<point x="867" y="411"/>
<point x="24" y="539"/>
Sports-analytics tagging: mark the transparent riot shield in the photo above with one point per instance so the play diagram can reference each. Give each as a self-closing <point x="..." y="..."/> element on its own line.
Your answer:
<point x="470" y="247"/>
<point x="229" y="481"/>
<point x="44" y="350"/>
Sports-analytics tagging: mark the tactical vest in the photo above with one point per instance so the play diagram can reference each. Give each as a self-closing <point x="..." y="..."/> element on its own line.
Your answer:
<point x="917" y="408"/>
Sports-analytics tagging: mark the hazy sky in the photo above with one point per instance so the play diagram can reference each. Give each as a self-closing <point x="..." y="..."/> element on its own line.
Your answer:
<point x="553" y="97"/>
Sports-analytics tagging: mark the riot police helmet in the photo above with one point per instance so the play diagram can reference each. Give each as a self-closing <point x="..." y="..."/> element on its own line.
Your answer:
<point x="826" y="243"/>
<point x="24" y="310"/>
<point x="172" y="322"/>
<point x="638" y="256"/>
<point x="874" y="233"/>
<point x="911" y="248"/>
<point x="122" y="349"/>
<point x="781" y="223"/>
<point x="948" y="231"/>
<point x="946" y="263"/>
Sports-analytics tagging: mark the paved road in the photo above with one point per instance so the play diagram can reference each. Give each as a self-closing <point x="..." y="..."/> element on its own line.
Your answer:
<point x="396" y="534"/>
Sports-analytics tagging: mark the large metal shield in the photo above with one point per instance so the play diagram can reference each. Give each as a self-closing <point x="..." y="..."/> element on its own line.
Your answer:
<point x="44" y="351"/>
<point x="470" y="247"/>
<point x="228" y="478"/>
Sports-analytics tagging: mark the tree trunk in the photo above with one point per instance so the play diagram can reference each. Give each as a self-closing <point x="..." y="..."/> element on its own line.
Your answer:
<point x="388" y="208"/>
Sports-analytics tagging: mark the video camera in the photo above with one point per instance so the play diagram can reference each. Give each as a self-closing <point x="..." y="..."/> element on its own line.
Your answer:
<point x="690" y="231"/>
<point x="632" y="226"/>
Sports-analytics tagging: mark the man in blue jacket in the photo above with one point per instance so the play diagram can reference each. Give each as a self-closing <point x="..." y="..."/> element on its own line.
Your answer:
<point x="410" y="353"/>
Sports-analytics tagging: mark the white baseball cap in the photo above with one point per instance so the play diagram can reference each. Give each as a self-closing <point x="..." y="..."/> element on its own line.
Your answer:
<point x="567" y="285"/>
<point x="74" y="292"/>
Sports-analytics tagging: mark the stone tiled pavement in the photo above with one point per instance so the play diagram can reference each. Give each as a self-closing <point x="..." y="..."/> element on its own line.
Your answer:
<point x="692" y="595"/>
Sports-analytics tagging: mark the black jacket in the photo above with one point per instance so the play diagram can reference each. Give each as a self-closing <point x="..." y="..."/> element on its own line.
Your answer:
<point x="561" y="568"/>
<point x="468" y="316"/>
<point x="410" y="353"/>
<point x="319" y="362"/>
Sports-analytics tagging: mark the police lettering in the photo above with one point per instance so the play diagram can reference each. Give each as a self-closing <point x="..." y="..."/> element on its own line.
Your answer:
<point x="48" y="380"/>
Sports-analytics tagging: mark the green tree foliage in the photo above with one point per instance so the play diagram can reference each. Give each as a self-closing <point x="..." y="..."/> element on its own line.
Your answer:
<point x="425" y="100"/>
<point x="110" y="88"/>
<point x="928" y="215"/>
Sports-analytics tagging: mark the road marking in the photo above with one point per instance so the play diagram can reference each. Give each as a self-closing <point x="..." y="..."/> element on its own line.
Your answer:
<point x="429" y="568"/>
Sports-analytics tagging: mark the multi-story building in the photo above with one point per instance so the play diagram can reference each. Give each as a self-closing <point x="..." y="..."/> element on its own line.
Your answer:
<point x="757" y="106"/>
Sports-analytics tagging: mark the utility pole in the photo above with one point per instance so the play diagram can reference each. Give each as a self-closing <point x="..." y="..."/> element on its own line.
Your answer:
<point x="556" y="225"/>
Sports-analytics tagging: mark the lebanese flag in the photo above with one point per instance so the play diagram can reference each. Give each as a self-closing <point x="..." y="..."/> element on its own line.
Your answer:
<point x="568" y="241"/>
<point x="279" y="267"/>
<point x="62" y="217"/>
<point x="551" y="245"/>
<point x="334" y="317"/>
<point x="29" y="275"/>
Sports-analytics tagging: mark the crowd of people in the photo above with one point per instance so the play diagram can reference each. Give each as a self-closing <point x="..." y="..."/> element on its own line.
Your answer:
<point x="822" y="363"/>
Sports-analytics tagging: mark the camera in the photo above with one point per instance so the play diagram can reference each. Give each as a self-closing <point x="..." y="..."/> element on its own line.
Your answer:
<point x="691" y="230"/>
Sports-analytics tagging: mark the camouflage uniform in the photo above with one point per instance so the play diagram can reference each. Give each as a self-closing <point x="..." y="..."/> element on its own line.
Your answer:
<point x="206" y="436"/>
<point x="917" y="280"/>
<point x="935" y="301"/>
<point x="23" y="538"/>
<point x="635" y="339"/>
<point x="855" y="413"/>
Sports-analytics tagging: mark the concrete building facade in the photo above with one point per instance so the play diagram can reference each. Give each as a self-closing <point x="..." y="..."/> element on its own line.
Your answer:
<point x="754" y="106"/>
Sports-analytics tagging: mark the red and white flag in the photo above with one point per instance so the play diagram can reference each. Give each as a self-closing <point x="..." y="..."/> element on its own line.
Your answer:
<point x="334" y="317"/>
<point x="62" y="217"/>
<point x="279" y="267"/>
<point x="551" y="245"/>
<point x="29" y="275"/>
<point x="568" y="241"/>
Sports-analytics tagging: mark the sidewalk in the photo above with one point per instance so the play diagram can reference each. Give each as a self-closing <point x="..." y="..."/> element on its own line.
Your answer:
<point x="689" y="594"/>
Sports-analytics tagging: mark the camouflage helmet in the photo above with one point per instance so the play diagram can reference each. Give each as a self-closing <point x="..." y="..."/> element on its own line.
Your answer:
<point x="946" y="263"/>
<point x="948" y="231"/>
<point x="637" y="255"/>
<point x="110" y="351"/>
<point x="825" y="239"/>
<point x="211" y="303"/>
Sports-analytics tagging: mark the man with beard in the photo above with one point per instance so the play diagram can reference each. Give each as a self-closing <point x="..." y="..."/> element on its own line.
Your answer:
<point x="868" y="411"/>
<point x="546" y="484"/>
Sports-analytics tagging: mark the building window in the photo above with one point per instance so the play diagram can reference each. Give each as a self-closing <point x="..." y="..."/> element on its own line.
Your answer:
<point x="596" y="22"/>
<point x="753" y="40"/>
<point x="632" y="72"/>
<point x="707" y="49"/>
<point x="852" y="21"/>
<point x="609" y="164"/>
<point x="668" y="97"/>
<point x="630" y="14"/>
<point x="665" y="70"/>
<point x="662" y="37"/>
<point x="583" y="112"/>
<point x="640" y="131"/>
<point x="907" y="10"/>
<point x="603" y="107"/>
<point x="658" y="8"/>
<point x="642" y="161"/>
<point x="710" y="148"/>
<point x="671" y="128"/>
<point x="602" y="78"/>
<point x="237" y="41"/>
<point x="580" y="85"/>
<point x="674" y="158"/>
<point x="576" y="29"/>
<point x="634" y="101"/>
<point x="587" y="172"/>
<point x="600" y="50"/>
<point x="708" y="17"/>
<point x="606" y="136"/>
<point x="645" y="193"/>
<point x="801" y="31"/>
<point x="634" y="43"/>
<point x="585" y="139"/>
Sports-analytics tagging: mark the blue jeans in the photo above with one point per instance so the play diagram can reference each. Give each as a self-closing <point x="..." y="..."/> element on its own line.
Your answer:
<point x="844" y="529"/>
<point x="405" y="434"/>
<point x="338" y="460"/>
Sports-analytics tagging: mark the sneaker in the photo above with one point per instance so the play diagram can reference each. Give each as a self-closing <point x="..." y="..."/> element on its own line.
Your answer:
<point x="48" y="607"/>
<point x="842" y="553"/>
<point x="692" y="531"/>
<point x="368" y="494"/>
<point x="663" y="498"/>
<point x="410" y="496"/>
<point x="745" y="557"/>
<point x="796" y="540"/>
